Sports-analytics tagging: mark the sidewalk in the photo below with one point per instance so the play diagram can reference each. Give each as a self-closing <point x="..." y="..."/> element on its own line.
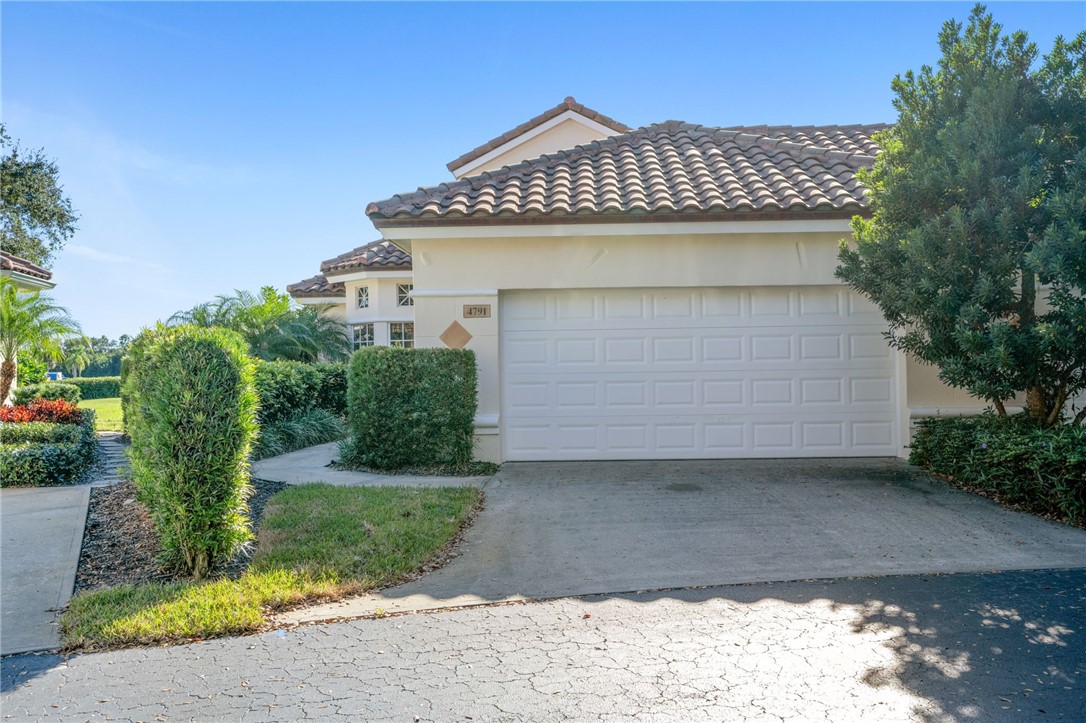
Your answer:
<point x="42" y="537"/>
<point x="311" y="465"/>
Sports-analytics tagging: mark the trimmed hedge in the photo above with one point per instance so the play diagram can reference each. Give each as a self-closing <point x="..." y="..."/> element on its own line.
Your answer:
<point x="288" y="388"/>
<point x="97" y="387"/>
<point x="1011" y="459"/>
<point x="411" y="407"/>
<point x="190" y="409"/>
<point x="50" y="390"/>
<point x="41" y="454"/>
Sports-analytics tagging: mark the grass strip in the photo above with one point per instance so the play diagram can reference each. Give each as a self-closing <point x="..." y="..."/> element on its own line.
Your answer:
<point x="316" y="543"/>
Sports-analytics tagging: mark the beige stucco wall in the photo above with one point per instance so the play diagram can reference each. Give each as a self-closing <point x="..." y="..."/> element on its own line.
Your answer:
<point x="567" y="134"/>
<point x="479" y="265"/>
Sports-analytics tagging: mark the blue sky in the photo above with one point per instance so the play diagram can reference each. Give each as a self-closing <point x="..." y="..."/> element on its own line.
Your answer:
<point x="214" y="146"/>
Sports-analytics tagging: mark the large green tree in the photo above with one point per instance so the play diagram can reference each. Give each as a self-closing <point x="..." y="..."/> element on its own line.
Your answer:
<point x="273" y="325"/>
<point x="36" y="218"/>
<point x="29" y="322"/>
<point x="976" y="247"/>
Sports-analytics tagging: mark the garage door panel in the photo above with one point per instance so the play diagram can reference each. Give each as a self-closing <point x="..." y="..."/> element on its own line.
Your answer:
<point x="546" y="351"/>
<point x="679" y="373"/>
<point x="795" y="392"/>
<point x="699" y="436"/>
<point x="628" y="308"/>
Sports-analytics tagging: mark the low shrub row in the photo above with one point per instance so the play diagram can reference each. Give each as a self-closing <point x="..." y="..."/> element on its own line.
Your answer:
<point x="97" y="387"/>
<point x="411" y="408"/>
<point x="46" y="453"/>
<point x="287" y="389"/>
<point x="49" y="390"/>
<point x="1011" y="459"/>
<point x="305" y="429"/>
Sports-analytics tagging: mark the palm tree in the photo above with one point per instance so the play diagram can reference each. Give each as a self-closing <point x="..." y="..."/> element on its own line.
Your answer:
<point x="273" y="325"/>
<point x="77" y="355"/>
<point x="29" y="321"/>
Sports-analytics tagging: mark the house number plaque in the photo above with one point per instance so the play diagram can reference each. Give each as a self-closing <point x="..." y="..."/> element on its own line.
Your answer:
<point x="476" y="311"/>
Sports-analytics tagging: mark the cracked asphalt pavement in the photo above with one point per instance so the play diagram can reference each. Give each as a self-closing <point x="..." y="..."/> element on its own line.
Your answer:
<point x="991" y="647"/>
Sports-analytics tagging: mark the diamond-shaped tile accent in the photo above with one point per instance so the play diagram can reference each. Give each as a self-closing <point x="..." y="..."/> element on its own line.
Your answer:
<point x="456" y="336"/>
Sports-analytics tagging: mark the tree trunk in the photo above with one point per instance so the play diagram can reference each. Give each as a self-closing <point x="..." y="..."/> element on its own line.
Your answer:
<point x="7" y="376"/>
<point x="1036" y="405"/>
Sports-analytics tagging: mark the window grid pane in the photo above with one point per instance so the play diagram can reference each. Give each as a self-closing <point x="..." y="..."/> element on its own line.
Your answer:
<point x="362" y="335"/>
<point x="363" y="297"/>
<point x="401" y="334"/>
<point x="402" y="297"/>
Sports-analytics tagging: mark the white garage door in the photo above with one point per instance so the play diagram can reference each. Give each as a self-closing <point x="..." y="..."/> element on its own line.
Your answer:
<point x="684" y="373"/>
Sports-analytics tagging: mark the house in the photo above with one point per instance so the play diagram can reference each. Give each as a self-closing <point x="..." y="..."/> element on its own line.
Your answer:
<point x="663" y="292"/>
<point x="26" y="277"/>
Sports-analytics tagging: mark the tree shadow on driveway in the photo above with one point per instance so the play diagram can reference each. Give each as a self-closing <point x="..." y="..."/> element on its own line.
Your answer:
<point x="983" y="647"/>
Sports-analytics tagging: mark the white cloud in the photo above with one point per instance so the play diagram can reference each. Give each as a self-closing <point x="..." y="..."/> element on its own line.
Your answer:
<point x="105" y="257"/>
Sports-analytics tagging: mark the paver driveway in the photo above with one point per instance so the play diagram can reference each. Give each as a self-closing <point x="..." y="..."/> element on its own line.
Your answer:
<point x="556" y="529"/>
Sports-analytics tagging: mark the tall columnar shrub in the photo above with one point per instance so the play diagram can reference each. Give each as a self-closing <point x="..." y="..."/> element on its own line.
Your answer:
<point x="411" y="407"/>
<point x="191" y="408"/>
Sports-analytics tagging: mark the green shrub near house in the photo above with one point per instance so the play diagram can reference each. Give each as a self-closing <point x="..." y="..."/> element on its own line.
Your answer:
<point x="97" y="387"/>
<point x="305" y="429"/>
<point x="50" y="390"/>
<point x="410" y="408"/>
<point x="39" y="454"/>
<point x="287" y="389"/>
<point x="1011" y="459"/>
<point x="190" y="403"/>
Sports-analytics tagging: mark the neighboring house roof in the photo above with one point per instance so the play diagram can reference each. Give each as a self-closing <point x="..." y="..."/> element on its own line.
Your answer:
<point x="377" y="255"/>
<point x="666" y="171"/>
<point x="8" y="262"/>
<point x="316" y="287"/>
<point x="25" y="275"/>
<point x="568" y="104"/>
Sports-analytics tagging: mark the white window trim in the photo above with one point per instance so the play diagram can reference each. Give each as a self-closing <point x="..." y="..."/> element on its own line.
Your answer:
<point x="403" y="295"/>
<point x="355" y="345"/>
<point x="363" y="291"/>
<point x="406" y="342"/>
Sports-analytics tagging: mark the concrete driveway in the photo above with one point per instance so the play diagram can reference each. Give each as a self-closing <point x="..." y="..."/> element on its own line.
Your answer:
<point x="557" y="529"/>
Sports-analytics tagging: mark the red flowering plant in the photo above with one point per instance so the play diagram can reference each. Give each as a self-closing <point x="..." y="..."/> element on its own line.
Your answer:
<point x="43" y="410"/>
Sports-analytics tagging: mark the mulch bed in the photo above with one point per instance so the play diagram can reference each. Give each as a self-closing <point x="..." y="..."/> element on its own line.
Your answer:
<point x="120" y="545"/>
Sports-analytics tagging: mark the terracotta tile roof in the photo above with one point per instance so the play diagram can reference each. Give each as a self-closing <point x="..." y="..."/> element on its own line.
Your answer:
<point x="851" y="139"/>
<point x="660" y="171"/>
<point x="8" y="262"/>
<point x="568" y="104"/>
<point x="316" y="287"/>
<point x="377" y="255"/>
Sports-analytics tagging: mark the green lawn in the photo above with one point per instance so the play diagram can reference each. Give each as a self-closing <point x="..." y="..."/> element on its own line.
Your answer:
<point x="107" y="413"/>
<point x="317" y="542"/>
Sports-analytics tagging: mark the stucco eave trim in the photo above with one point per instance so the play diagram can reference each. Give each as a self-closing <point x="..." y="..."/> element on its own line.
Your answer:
<point x="621" y="228"/>
<point x="27" y="281"/>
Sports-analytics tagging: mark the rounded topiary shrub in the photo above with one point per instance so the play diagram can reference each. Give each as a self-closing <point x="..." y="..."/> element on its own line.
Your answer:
<point x="190" y="410"/>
